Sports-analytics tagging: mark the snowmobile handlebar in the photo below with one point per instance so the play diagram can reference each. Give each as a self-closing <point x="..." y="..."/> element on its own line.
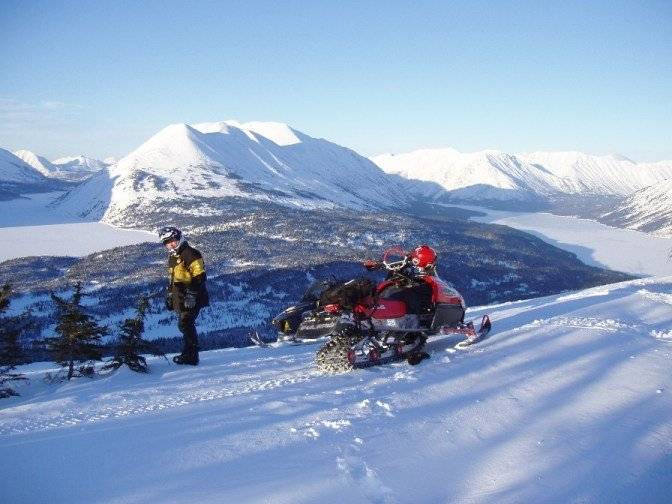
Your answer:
<point x="395" y="265"/>
<point x="395" y="259"/>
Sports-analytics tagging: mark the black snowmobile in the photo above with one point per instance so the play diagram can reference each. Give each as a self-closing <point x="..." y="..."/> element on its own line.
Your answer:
<point x="305" y="320"/>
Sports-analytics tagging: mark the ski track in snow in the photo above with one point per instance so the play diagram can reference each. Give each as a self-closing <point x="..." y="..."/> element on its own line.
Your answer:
<point x="139" y="402"/>
<point x="583" y="323"/>
<point x="660" y="297"/>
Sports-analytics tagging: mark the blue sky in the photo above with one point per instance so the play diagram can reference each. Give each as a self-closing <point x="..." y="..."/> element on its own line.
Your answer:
<point x="100" y="77"/>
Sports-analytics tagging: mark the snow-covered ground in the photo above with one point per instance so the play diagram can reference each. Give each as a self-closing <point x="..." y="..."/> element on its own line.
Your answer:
<point x="33" y="229"/>
<point x="568" y="400"/>
<point x="593" y="243"/>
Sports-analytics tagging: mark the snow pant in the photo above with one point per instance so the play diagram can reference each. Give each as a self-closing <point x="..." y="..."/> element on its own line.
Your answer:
<point x="187" y="325"/>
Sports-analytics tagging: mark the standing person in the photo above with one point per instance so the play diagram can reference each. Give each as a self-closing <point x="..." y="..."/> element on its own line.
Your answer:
<point x="186" y="293"/>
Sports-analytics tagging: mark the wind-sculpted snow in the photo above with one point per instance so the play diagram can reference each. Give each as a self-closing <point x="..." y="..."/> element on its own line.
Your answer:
<point x="567" y="400"/>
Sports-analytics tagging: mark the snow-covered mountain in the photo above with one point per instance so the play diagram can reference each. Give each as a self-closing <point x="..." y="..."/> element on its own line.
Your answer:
<point x="77" y="168"/>
<point x="568" y="400"/>
<point x="41" y="164"/>
<point x="495" y="175"/>
<point x="485" y="175"/>
<point x="18" y="177"/>
<point x="70" y="169"/>
<point x="648" y="210"/>
<point x="210" y="161"/>
<point x="15" y="170"/>
<point x="581" y="173"/>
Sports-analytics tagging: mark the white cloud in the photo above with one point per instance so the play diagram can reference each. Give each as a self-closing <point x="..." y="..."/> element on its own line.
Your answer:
<point x="17" y="116"/>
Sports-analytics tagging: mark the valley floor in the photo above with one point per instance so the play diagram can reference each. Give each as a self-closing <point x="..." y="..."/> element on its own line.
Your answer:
<point x="593" y="243"/>
<point x="29" y="227"/>
<point x="568" y="400"/>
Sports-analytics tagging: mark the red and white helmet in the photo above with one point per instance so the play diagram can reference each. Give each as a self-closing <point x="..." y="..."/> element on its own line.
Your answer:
<point x="423" y="256"/>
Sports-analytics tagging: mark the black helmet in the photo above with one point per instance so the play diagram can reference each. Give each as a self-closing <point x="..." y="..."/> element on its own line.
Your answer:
<point x="169" y="233"/>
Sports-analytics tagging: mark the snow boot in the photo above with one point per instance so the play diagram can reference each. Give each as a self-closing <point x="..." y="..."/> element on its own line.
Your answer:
<point x="191" y="360"/>
<point x="417" y="357"/>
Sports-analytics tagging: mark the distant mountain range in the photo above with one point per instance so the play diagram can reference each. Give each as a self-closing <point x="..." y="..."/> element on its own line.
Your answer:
<point x="508" y="176"/>
<point x="71" y="169"/>
<point x="26" y="172"/>
<point x="558" y="180"/>
<point x="196" y="167"/>
<point x="18" y="177"/>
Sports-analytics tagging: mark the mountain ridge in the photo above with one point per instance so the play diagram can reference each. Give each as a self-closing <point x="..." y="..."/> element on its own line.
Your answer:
<point x="259" y="161"/>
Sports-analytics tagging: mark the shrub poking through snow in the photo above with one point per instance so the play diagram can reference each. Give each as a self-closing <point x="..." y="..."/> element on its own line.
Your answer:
<point x="10" y="348"/>
<point x="79" y="335"/>
<point x="130" y="343"/>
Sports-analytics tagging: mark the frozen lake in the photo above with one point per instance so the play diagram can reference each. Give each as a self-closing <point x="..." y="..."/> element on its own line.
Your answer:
<point x="593" y="243"/>
<point x="28" y="227"/>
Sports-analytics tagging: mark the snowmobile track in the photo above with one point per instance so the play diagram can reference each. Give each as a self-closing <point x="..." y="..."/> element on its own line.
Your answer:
<point x="333" y="356"/>
<point x="146" y="401"/>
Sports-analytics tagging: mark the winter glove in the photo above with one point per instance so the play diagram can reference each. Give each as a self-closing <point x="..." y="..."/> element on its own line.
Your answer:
<point x="371" y="265"/>
<point x="169" y="300"/>
<point x="189" y="300"/>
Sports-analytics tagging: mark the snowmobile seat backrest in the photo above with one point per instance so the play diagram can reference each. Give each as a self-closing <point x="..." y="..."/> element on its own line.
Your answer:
<point x="348" y="294"/>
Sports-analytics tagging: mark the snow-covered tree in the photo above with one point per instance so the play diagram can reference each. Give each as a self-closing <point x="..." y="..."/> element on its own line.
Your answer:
<point x="78" y="337"/>
<point x="130" y="343"/>
<point x="10" y="348"/>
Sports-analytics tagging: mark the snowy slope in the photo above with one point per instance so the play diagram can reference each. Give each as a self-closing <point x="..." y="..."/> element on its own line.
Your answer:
<point x="15" y="170"/>
<point x="584" y="173"/>
<point x="41" y="164"/>
<point x="649" y="210"/>
<point x="72" y="169"/>
<point x="486" y="174"/>
<point x="78" y="167"/>
<point x="512" y="177"/>
<point x="569" y="400"/>
<point x="261" y="161"/>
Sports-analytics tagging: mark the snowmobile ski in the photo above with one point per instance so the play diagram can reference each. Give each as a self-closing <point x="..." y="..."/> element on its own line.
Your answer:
<point x="474" y="336"/>
<point x="256" y="339"/>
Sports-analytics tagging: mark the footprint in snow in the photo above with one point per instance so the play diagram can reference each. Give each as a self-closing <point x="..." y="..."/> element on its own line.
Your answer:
<point x="356" y="470"/>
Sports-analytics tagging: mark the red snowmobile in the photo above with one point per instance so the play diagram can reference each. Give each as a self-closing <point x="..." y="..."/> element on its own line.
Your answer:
<point x="392" y="321"/>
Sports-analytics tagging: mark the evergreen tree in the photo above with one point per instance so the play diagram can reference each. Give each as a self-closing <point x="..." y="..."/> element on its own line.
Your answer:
<point x="130" y="343"/>
<point x="78" y="337"/>
<point x="10" y="349"/>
